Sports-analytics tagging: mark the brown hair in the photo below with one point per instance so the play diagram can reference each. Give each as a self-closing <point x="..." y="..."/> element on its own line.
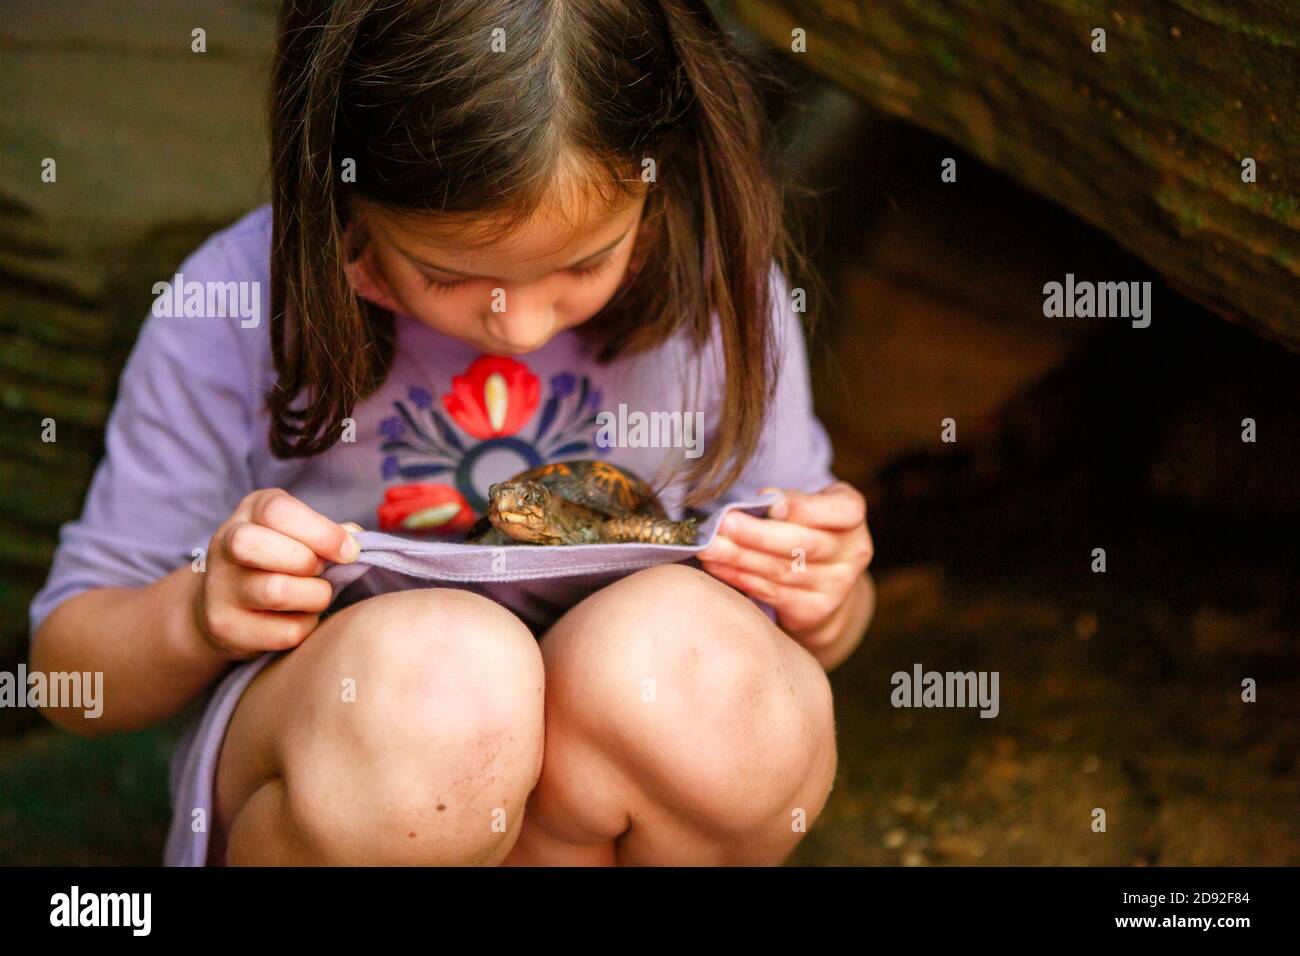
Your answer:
<point x="440" y="124"/>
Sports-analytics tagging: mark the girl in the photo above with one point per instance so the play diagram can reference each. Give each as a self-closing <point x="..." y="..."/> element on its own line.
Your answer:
<point x="491" y="219"/>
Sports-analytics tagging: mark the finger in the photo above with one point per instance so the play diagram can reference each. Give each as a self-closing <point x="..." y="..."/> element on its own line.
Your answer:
<point x="265" y="591"/>
<point x="753" y="584"/>
<point x="247" y="632"/>
<point x="796" y="608"/>
<point x="280" y="511"/>
<point x="785" y="570"/>
<point x="838" y="507"/>
<point x="779" y="538"/>
<point x="254" y="546"/>
<point x="277" y="631"/>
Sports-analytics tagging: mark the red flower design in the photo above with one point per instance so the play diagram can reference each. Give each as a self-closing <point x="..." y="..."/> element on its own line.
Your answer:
<point x="422" y="508"/>
<point x="494" y="397"/>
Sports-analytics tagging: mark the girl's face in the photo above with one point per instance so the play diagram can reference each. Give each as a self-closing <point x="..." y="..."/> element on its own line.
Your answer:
<point x="510" y="297"/>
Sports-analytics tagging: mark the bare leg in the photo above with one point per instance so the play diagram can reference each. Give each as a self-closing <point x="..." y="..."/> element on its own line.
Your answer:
<point x="682" y="728"/>
<point x="406" y="730"/>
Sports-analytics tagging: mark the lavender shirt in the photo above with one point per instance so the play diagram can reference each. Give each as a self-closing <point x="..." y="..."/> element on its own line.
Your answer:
<point x="187" y="440"/>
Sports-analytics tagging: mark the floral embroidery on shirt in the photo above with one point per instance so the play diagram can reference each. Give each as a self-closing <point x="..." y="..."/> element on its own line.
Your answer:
<point x="489" y="407"/>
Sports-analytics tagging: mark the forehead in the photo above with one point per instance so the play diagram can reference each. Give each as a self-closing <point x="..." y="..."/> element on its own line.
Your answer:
<point x="568" y="223"/>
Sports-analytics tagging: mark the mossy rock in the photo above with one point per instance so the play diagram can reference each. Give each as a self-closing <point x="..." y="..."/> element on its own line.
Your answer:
<point x="1145" y="140"/>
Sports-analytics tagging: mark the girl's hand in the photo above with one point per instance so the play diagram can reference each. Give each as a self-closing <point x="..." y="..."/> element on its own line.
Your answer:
<point x="804" y="559"/>
<point x="262" y="590"/>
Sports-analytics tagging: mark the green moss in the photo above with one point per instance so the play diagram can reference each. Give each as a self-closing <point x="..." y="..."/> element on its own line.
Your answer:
<point x="65" y="800"/>
<point x="946" y="59"/>
<point x="1286" y="207"/>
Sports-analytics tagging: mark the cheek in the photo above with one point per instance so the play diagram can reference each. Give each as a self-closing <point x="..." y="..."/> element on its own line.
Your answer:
<point x="589" y="297"/>
<point x="593" y="294"/>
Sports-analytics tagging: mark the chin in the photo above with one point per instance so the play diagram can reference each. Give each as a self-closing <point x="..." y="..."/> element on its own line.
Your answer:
<point x="516" y="350"/>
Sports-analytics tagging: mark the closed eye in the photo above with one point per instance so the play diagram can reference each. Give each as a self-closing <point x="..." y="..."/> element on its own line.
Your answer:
<point x="591" y="270"/>
<point x="582" y="271"/>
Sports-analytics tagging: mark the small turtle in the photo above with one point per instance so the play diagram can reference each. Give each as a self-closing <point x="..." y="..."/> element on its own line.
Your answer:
<point x="577" y="502"/>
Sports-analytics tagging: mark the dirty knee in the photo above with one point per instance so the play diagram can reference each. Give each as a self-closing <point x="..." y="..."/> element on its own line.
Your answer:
<point x="425" y="732"/>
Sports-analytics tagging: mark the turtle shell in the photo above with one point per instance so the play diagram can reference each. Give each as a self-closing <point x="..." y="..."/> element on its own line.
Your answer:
<point x="598" y="485"/>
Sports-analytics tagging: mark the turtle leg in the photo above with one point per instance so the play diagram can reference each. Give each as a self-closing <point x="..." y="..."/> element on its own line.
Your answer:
<point x="648" y="530"/>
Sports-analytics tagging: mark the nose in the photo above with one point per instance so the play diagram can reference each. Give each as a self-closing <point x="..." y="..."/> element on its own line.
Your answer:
<point x="526" y="324"/>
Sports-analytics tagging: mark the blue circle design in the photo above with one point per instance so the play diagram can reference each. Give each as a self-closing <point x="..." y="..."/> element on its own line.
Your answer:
<point x="465" y="470"/>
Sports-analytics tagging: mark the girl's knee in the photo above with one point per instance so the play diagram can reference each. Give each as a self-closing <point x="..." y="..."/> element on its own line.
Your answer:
<point x="425" y="733"/>
<point x="690" y="594"/>
<point x="678" y="617"/>
<point x="703" y="698"/>
<point x="747" y="745"/>
<point x="423" y="666"/>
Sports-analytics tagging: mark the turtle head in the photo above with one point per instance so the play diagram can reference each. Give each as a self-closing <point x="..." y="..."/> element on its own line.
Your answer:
<point x="521" y="510"/>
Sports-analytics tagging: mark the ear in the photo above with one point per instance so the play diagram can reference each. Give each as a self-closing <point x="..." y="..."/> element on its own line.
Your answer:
<point x="364" y="275"/>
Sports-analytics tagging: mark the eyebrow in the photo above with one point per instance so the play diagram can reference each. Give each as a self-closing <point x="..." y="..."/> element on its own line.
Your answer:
<point x="470" y="275"/>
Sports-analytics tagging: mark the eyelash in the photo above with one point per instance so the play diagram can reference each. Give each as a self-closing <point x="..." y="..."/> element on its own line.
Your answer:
<point x="583" y="271"/>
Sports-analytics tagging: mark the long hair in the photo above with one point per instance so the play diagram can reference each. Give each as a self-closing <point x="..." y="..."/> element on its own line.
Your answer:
<point x="441" y="121"/>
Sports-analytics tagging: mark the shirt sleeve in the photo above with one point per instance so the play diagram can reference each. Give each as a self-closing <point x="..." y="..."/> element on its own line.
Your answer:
<point x="176" y="446"/>
<point x="794" y="450"/>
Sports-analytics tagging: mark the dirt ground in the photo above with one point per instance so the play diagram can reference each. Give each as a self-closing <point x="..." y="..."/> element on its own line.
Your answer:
<point x="1111" y="698"/>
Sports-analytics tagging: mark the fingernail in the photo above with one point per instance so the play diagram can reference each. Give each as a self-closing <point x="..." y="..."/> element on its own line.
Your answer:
<point x="353" y="527"/>
<point x="351" y="548"/>
<point x="780" y="511"/>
